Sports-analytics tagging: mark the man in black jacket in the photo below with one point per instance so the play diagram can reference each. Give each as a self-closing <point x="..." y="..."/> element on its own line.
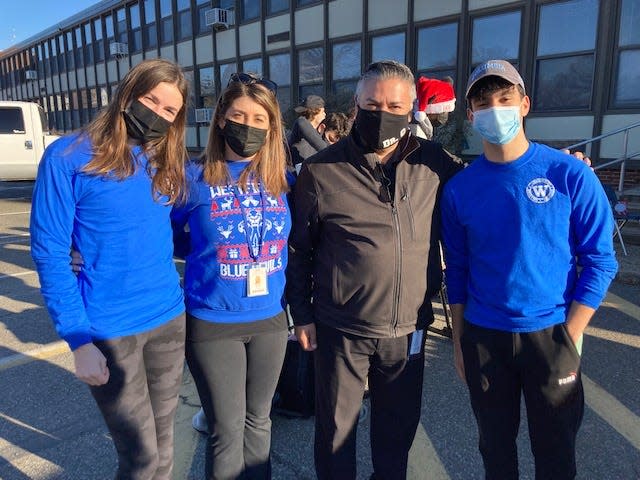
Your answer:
<point x="364" y="246"/>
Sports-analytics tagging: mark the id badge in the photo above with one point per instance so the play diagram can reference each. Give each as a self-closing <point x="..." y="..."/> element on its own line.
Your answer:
<point x="415" y="345"/>
<point x="257" y="282"/>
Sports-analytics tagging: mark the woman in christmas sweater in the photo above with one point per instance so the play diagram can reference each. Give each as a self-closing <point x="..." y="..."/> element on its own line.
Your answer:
<point x="238" y="221"/>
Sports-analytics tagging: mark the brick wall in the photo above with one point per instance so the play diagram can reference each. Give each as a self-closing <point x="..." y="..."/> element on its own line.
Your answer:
<point x="612" y="177"/>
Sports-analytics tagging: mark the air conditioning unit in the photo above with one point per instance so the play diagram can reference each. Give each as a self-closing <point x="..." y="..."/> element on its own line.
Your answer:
<point x="30" y="75"/>
<point x="203" y="115"/>
<point x="118" y="49"/>
<point x="219" y="18"/>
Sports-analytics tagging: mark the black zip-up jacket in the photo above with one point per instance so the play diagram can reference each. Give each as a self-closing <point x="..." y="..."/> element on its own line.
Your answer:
<point x="368" y="257"/>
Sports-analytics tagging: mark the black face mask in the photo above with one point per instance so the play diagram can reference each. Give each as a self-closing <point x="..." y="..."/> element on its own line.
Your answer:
<point x="378" y="129"/>
<point x="243" y="139"/>
<point x="143" y="123"/>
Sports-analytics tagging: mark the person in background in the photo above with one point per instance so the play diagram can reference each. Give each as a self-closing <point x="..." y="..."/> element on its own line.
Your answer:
<point x="305" y="138"/>
<point x="436" y="99"/>
<point x="334" y="127"/>
<point x="107" y="191"/>
<point x="529" y="254"/>
<point x="236" y="255"/>
<point x="361" y="273"/>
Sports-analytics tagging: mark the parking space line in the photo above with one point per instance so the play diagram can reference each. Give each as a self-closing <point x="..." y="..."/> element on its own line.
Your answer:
<point x="40" y="353"/>
<point x="614" y="301"/>
<point x="14" y="213"/>
<point x="612" y="411"/>
<point x="15" y="235"/>
<point x="20" y="274"/>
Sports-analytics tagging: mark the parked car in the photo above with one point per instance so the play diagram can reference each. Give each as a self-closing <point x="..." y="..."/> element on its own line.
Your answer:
<point x="24" y="135"/>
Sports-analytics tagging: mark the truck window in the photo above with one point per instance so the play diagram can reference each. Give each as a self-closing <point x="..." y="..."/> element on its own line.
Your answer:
<point x="11" y="120"/>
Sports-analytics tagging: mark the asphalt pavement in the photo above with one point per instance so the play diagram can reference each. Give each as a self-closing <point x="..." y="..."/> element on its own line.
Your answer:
<point x="51" y="429"/>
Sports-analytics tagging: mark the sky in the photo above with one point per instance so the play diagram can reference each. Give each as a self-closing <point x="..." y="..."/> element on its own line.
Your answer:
<point x="21" y="19"/>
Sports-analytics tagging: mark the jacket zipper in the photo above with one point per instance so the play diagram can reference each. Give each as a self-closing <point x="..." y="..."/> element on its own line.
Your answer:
<point x="386" y="183"/>
<point x="396" y="287"/>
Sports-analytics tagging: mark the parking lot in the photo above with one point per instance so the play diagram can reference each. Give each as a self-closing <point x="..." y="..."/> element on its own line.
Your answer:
<point x="51" y="429"/>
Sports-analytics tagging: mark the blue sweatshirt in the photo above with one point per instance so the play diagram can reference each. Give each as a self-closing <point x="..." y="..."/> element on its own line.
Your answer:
<point x="226" y="224"/>
<point x="129" y="283"/>
<point x="515" y="234"/>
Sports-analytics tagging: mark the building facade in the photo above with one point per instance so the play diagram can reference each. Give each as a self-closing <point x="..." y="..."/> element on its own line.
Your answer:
<point x="580" y="59"/>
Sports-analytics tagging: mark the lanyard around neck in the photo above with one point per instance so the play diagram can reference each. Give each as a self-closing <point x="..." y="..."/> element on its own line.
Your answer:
<point x="254" y="244"/>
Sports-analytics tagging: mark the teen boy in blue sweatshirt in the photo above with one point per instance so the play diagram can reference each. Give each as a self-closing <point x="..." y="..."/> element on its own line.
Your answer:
<point x="529" y="254"/>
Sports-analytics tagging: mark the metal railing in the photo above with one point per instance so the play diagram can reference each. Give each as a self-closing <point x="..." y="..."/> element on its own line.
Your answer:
<point x="625" y="151"/>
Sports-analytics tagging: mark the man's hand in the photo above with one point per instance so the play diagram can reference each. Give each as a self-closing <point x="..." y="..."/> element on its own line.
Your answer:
<point x="91" y="365"/>
<point x="579" y="155"/>
<point x="77" y="262"/>
<point x="306" y="335"/>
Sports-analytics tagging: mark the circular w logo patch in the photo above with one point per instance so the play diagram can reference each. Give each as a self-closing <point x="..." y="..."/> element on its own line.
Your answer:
<point x="540" y="190"/>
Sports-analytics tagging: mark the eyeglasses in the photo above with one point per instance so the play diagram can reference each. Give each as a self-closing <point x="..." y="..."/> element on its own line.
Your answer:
<point x="248" y="79"/>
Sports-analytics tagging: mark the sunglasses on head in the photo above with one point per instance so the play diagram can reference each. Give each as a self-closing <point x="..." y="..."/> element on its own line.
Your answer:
<point x="248" y="79"/>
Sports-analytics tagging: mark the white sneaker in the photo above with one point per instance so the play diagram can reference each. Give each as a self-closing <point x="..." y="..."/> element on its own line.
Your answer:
<point x="199" y="422"/>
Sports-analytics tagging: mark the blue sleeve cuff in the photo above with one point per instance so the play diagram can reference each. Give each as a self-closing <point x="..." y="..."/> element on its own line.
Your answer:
<point x="76" y="340"/>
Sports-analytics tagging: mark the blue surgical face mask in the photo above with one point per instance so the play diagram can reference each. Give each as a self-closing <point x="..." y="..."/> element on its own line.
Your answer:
<point x="497" y="125"/>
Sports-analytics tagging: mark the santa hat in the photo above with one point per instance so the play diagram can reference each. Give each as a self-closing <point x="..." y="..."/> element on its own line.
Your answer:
<point x="434" y="96"/>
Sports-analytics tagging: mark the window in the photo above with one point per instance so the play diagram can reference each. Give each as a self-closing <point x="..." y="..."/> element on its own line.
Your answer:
<point x="438" y="50"/>
<point x="280" y="72"/>
<point x="627" y="79"/>
<point x="71" y="60"/>
<point x="135" y="35"/>
<point x="496" y="36"/>
<point x="202" y="6"/>
<point x="166" y="22"/>
<point x="252" y="65"/>
<point x="62" y="67"/>
<point x="53" y="60"/>
<point x="565" y="57"/>
<point x="11" y="121"/>
<point x="108" y="28"/>
<point x="306" y="2"/>
<point x="250" y="10"/>
<point x="98" y="45"/>
<point x="41" y="62"/>
<point x="346" y="61"/>
<point x="121" y="26"/>
<point x="150" y="28"/>
<point x="388" y="47"/>
<point x="88" y="45"/>
<point x="79" y="52"/>
<point x="277" y="6"/>
<point x="184" y="19"/>
<point x="207" y="88"/>
<point x="226" y="69"/>
<point x="190" y="103"/>
<point x="46" y="58"/>
<point x="310" y="72"/>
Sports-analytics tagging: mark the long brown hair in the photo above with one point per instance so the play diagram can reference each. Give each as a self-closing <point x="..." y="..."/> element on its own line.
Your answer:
<point x="108" y="131"/>
<point x="269" y="164"/>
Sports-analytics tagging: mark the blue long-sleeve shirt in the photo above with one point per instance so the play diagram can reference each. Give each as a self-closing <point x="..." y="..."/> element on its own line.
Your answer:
<point x="225" y="223"/>
<point x="515" y="234"/>
<point x="129" y="283"/>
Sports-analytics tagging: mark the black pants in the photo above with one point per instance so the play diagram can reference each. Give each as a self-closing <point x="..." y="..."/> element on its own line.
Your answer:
<point x="236" y="378"/>
<point x="140" y="399"/>
<point x="545" y="366"/>
<point x="342" y="364"/>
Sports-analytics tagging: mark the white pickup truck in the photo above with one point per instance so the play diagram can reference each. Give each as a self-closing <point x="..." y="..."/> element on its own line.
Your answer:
<point x="24" y="135"/>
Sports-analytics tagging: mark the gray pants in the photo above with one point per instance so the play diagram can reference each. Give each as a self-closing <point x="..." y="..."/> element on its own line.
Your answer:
<point x="140" y="399"/>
